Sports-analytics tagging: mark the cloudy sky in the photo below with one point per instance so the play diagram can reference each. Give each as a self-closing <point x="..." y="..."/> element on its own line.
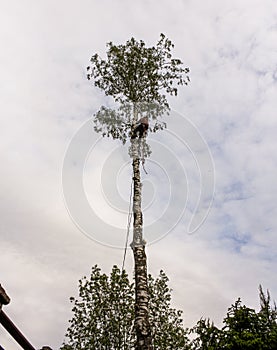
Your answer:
<point x="223" y="129"/>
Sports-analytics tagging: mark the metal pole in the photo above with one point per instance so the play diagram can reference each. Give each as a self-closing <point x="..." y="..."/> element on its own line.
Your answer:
<point x="14" y="332"/>
<point x="4" y="298"/>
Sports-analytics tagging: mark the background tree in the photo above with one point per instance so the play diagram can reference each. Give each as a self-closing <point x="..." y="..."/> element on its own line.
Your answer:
<point x="103" y="315"/>
<point x="208" y="335"/>
<point x="244" y="328"/>
<point x="138" y="77"/>
<point x="166" y="323"/>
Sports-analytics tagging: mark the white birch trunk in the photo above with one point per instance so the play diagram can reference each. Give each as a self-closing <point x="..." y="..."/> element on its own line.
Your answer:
<point x="142" y="326"/>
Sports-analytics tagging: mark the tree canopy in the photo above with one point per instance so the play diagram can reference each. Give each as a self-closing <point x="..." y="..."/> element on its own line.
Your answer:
<point x="244" y="328"/>
<point x="136" y="73"/>
<point x="103" y="315"/>
<point x="138" y="77"/>
<point x="103" y="318"/>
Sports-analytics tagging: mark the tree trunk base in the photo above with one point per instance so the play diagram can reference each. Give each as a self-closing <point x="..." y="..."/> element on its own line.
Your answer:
<point x="142" y="325"/>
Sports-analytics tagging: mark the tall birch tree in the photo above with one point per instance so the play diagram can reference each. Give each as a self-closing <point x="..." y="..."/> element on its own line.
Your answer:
<point x="139" y="78"/>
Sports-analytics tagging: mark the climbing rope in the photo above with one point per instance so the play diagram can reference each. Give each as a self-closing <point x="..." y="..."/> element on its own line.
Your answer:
<point x="142" y="162"/>
<point x="143" y="159"/>
<point x="130" y="213"/>
<point x="128" y="226"/>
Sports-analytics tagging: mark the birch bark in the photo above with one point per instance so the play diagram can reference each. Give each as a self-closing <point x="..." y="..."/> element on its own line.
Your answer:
<point x="142" y="325"/>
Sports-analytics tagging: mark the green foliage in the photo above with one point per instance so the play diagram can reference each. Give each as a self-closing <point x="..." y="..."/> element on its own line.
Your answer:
<point x="138" y="77"/>
<point x="118" y="123"/>
<point x="166" y="323"/>
<point x="103" y="315"/>
<point x="136" y="73"/>
<point x="244" y="329"/>
<point x="103" y="318"/>
<point x="208" y="335"/>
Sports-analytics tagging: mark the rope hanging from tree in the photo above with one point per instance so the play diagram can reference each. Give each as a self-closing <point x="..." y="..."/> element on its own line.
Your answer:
<point x="128" y="226"/>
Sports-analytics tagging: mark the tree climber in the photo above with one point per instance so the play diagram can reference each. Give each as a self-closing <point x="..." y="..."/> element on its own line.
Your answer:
<point x="141" y="128"/>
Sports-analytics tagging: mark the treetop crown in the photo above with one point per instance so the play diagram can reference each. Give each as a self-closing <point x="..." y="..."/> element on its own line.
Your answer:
<point x="133" y="72"/>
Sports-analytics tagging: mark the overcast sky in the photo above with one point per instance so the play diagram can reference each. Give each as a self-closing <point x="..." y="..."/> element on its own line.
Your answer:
<point x="229" y="109"/>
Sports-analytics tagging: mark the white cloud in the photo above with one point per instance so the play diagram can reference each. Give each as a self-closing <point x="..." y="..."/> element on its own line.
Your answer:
<point x="230" y="48"/>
